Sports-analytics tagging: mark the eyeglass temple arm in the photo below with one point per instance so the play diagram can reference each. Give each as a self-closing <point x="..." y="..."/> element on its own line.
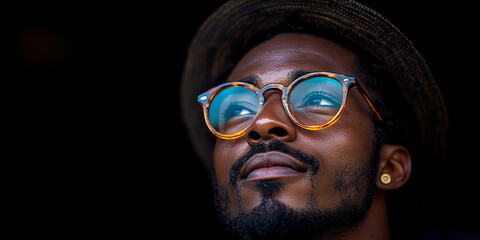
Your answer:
<point x="365" y="96"/>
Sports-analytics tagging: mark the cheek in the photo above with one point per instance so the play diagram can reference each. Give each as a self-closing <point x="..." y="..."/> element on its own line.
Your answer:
<point x="226" y="152"/>
<point x="345" y="145"/>
<point x="351" y="138"/>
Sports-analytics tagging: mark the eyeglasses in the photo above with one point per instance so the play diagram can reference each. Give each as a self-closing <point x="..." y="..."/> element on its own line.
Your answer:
<point x="313" y="101"/>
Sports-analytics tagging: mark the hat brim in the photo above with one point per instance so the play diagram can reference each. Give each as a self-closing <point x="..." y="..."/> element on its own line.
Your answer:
<point x="211" y="53"/>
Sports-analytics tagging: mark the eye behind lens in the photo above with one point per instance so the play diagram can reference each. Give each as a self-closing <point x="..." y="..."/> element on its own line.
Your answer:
<point x="232" y="108"/>
<point x="316" y="101"/>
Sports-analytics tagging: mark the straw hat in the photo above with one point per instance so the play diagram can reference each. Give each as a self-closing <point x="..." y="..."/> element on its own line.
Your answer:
<point x="212" y="53"/>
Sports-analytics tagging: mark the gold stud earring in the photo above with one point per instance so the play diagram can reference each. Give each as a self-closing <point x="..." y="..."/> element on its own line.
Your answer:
<point x="385" y="179"/>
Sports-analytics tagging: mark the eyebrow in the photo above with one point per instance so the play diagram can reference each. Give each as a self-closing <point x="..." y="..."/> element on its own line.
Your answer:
<point x="253" y="79"/>
<point x="293" y="75"/>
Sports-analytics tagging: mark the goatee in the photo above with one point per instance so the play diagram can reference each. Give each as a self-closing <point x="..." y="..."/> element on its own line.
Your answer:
<point x="272" y="219"/>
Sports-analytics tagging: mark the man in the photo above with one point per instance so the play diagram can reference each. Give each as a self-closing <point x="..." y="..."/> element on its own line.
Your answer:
<point x="318" y="116"/>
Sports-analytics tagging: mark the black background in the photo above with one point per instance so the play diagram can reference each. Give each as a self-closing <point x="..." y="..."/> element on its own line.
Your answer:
<point x="98" y="143"/>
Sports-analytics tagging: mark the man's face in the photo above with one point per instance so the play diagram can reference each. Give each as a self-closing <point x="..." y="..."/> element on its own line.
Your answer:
<point x="278" y="171"/>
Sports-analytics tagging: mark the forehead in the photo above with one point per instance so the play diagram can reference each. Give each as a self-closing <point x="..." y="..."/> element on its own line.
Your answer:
<point x="275" y="59"/>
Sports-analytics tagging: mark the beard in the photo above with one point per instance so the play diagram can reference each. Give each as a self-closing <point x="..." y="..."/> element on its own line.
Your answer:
<point x="272" y="219"/>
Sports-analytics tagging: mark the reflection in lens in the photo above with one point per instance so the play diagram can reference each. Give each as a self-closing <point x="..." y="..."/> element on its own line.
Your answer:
<point x="316" y="101"/>
<point x="233" y="109"/>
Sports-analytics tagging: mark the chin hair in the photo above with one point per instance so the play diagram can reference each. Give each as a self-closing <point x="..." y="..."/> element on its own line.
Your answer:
<point x="273" y="219"/>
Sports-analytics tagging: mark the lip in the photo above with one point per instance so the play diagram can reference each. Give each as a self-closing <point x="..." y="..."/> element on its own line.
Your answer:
<point x="271" y="165"/>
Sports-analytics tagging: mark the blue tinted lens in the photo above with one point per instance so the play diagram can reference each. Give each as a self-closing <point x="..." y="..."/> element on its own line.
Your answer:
<point x="316" y="101"/>
<point x="233" y="109"/>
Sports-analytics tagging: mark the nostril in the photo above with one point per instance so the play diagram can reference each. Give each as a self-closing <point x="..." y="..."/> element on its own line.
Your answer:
<point x="254" y="135"/>
<point x="278" y="131"/>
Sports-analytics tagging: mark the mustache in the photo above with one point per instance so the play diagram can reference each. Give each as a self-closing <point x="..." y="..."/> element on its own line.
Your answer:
<point x="275" y="145"/>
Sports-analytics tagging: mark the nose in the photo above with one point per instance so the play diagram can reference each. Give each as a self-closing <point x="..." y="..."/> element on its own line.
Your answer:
<point x="272" y="123"/>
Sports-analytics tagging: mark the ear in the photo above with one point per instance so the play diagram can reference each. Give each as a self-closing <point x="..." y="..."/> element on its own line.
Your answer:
<point x="395" y="160"/>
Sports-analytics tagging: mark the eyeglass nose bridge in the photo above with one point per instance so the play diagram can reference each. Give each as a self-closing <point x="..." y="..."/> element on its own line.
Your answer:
<point x="284" y="92"/>
<point x="272" y="86"/>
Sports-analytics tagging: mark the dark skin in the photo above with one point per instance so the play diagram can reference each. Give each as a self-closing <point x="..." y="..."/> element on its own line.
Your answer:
<point x="345" y="145"/>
